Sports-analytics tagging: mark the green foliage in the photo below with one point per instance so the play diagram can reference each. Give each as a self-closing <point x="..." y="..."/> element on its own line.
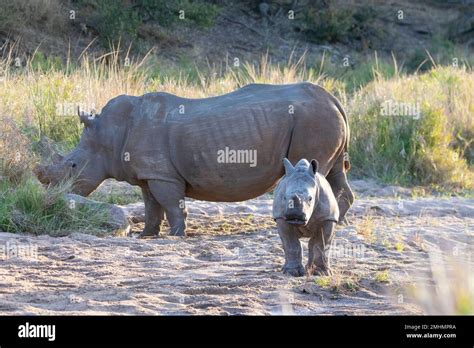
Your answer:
<point x="331" y="23"/>
<point x="121" y="20"/>
<point x="28" y="207"/>
<point x="42" y="63"/>
<point x="412" y="149"/>
<point x="357" y="75"/>
<point x="47" y="97"/>
<point x="167" y="12"/>
<point x="116" y="20"/>
<point x="441" y="50"/>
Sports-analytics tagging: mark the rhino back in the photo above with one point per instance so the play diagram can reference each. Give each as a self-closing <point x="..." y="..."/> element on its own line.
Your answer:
<point x="254" y="121"/>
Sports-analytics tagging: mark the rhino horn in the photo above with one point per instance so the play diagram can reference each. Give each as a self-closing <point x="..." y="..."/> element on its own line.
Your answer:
<point x="288" y="166"/>
<point x="86" y="118"/>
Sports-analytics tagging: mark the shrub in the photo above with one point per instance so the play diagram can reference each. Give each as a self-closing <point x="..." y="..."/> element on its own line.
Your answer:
<point x="167" y="12"/>
<point x="120" y="20"/>
<point x="330" y="23"/>
<point x="50" y="14"/>
<point x="115" y="21"/>
<point x="407" y="149"/>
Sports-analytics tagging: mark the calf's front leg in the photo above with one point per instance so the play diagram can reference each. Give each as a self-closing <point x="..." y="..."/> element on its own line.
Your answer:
<point x="292" y="247"/>
<point x="318" y="248"/>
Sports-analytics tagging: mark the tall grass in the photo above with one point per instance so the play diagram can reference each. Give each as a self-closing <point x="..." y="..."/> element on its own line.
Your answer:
<point x="433" y="149"/>
<point x="26" y="206"/>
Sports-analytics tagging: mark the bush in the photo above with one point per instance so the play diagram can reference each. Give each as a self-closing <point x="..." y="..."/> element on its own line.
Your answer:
<point x="167" y="12"/>
<point x="404" y="148"/>
<point x="330" y="23"/>
<point x="50" y="14"/>
<point x="441" y="50"/>
<point x="119" y="20"/>
<point x="116" y="21"/>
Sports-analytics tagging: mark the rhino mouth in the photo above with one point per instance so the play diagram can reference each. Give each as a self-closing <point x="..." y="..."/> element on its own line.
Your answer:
<point x="38" y="171"/>
<point x="296" y="221"/>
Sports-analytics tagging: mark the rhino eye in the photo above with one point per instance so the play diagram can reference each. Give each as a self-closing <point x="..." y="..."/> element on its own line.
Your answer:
<point x="73" y="165"/>
<point x="310" y="198"/>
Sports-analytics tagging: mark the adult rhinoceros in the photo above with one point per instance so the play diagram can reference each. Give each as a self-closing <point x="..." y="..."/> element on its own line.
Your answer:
<point x="226" y="148"/>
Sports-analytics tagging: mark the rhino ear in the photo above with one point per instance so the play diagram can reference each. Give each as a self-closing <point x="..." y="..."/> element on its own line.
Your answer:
<point x="56" y="157"/>
<point x="314" y="165"/>
<point x="86" y="118"/>
<point x="288" y="166"/>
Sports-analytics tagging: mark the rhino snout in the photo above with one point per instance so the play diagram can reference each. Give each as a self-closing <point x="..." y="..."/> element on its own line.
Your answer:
<point x="295" y="213"/>
<point x="39" y="172"/>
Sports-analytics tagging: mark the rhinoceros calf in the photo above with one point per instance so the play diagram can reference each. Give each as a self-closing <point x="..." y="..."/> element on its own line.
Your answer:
<point x="226" y="148"/>
<point x="304" y="206"/>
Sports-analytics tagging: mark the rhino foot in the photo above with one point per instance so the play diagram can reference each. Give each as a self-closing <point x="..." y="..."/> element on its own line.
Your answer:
<point x="297" y="271"/>
<point x="178" y="232"/>
<point x="318" y="270"/>
<point x="148" y="233"/>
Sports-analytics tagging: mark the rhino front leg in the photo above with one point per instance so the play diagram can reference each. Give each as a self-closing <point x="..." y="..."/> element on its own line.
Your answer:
<point x="318" y="248"/>
<point x="170" y="196"/>
<point x="154" y="214"/>
<point x="292" y="247"/>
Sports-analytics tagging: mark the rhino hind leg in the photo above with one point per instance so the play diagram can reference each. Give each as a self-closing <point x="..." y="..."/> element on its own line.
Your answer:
<point x="171" y="197"/>
<point x="318" y="249"/>
<point x="342" y="191"/>
<point x="154" y="214"/>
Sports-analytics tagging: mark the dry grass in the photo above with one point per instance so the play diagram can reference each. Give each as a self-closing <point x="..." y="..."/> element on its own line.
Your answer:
<point x="338" y="281"/>
<point x="452" y="288"/>
<point x="426" y="151"/>
<point x="16" y="156"/>
<point x="366" y="228"/>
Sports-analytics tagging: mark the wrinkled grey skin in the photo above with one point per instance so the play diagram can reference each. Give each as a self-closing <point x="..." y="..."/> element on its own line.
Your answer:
<point x="304" y="206"/>
<point x="168" y="146"/>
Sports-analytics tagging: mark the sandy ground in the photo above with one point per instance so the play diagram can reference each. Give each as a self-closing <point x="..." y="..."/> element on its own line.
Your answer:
<point x="398" y="255"/>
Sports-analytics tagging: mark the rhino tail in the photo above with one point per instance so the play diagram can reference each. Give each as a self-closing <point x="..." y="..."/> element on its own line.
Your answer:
<point x="347" y="163"/>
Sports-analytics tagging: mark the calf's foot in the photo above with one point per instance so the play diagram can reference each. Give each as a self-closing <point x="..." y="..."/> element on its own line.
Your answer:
<point x="294" y="270"/>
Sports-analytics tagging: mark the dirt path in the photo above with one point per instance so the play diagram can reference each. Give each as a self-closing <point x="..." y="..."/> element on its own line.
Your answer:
<point x="230" y="264"/>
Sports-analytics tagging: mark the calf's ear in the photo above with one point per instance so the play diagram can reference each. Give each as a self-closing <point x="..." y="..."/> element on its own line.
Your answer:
<point x="288" y="166"/>
<point x="314" y="164"/>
